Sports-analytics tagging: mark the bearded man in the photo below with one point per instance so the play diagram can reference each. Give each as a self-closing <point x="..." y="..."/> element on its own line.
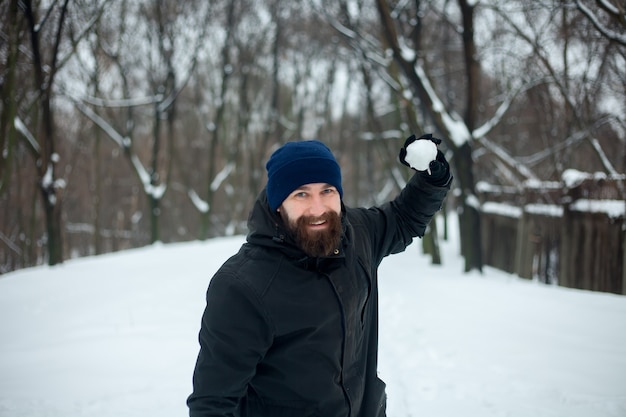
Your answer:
<point x="291" y="321"/>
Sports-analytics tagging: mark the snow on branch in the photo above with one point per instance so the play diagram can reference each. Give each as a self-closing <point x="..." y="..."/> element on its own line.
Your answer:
<point x="612" y="35"/>
<point x="455" y="127"/>
<point x="121" y="141"/>
<point x="222" y="175"/>
<point x="156" y="191"/>
<point x="504" y="106"/>
<point x="32" y="142"/>
<point x="128" y="102"/>
<point x="600" y="152"/>
<point x="346" y="32"/>
<point x="386" y="134"/>
<point x="166" y="103"/>
<point x="572" y="140"/>
<point x="86" y="30"/>
<point x="368" y="46"/>
<point x="608" y="6"/>
<point x="391" y="82"/>
<point x="388" y="188"/>
<point x="7" y="241"/>
<point x="506" y="172"/>
<point x="201" y="205"/>
<point x="543" y="154"/>
<point x="506" y="158"/>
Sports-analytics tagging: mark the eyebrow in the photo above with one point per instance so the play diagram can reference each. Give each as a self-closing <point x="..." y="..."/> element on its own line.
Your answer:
<point x="307" y="187"/>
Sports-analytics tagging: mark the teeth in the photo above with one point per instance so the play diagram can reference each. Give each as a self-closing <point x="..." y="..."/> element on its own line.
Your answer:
<point x="318" y="223"/>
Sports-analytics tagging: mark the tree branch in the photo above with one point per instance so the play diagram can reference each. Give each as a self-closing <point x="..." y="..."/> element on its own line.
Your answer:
<point x="606" y="32"/>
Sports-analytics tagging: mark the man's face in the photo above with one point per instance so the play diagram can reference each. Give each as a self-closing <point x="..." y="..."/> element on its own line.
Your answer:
<point x="312" y="213"/>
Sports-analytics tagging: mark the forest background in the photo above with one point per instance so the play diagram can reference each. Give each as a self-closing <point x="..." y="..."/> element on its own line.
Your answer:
<point x="127" y="122"/>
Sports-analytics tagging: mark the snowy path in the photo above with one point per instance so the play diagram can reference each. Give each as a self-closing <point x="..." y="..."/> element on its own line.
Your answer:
<point x="454" y="345"/>
<point x="115" y="336"/>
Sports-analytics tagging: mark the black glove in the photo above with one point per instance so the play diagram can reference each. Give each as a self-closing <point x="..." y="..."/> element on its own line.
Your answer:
<point x="438" y="172"/>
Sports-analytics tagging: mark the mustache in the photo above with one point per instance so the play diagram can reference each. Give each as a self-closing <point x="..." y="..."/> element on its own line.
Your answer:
<point x="324" y="217"/>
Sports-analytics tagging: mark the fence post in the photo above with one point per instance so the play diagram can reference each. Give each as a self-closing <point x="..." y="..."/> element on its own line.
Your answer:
<point x="519" y="247"/>
<point x="624" y="257"/>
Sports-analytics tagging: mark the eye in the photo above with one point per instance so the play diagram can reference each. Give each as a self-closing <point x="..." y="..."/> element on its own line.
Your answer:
<point x="329" y="190"/>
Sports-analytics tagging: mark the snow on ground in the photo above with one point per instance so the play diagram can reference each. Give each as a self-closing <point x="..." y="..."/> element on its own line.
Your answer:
<point x="116" y="335"/>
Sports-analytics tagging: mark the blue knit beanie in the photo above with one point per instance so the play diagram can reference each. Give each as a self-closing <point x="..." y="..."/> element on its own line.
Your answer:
<point x="298" y="163"/>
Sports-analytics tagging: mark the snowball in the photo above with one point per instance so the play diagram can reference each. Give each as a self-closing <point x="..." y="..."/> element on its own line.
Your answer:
<point x="420" y="153"/>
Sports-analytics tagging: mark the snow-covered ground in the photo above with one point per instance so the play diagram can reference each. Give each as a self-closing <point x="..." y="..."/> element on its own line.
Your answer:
<point x="115" y="335"/>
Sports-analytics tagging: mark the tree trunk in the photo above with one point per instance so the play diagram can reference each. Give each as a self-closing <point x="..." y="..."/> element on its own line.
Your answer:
<point x="469" y="216"/>
<point x="430" y="242"/>
<point x="155" y="212"/>
<point x="53" y="226"/>
<point x="46" y="157"/>
<point x="9" y="106"/>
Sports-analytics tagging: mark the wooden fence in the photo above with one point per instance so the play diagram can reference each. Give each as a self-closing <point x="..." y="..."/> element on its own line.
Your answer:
<point x="570" y="233"/>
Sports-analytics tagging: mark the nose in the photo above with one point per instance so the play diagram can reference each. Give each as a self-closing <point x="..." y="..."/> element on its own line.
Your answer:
<point x="317" y="206"/>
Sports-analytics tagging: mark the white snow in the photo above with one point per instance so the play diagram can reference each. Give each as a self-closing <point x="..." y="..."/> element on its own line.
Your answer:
<point x="222" y="176"/>
<point x="48" y="177"/>
<point x="572" y="177"/>
<point x="550" y="210"/>
<point x="613" y="35"/>
<point x="612" y="208"/>
<point x="21" y="127"/>
<point x="459" y="134"/>
<point x="502" y="209"/>
<point x="420" y="154"/>
<point x="116" y="335"/>
<point x="201" y="205"/>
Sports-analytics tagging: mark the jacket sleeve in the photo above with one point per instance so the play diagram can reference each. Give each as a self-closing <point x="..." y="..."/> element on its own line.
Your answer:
<point x="393" y="225"/>
<point x="234" y="336"/>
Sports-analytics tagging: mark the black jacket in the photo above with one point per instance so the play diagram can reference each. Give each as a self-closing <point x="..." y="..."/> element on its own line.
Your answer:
<point x="288" y="335"/>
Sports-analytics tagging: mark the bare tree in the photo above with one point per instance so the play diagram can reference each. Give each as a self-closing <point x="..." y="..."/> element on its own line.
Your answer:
<point x="474" y="118"/>
<point x="163" y="28"/>
<point x="608" y="17"/>
<point x="583" y="88"/>
<point x="52" y="42"/>
<point x="401" y="29"/>
<point x="217" y="126"/>
<point x="187" y="99"/>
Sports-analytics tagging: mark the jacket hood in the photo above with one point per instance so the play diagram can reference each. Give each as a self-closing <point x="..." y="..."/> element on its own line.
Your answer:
<point x="266" y="228"/>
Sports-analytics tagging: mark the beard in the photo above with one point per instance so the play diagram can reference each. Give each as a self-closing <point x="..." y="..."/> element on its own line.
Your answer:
<point x="316" y="243"/>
